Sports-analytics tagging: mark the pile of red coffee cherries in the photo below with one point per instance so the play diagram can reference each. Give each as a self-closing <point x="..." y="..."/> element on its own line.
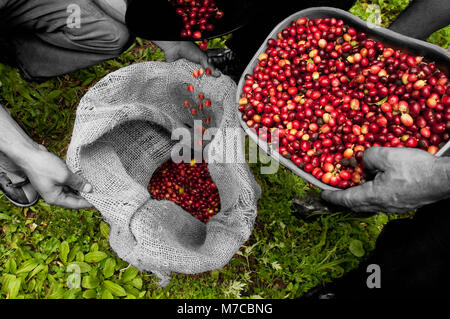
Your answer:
<point x="189" y="185"/>
<point x="330" y="92"/>
<point x="196" y="16"/>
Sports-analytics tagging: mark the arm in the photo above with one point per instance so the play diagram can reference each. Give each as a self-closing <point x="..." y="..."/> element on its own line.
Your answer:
<point x="423" y="17"/>
<point x="47" y="173"/>
<point x="136" y="19"/>
<point x="174" y="50"/>
<point x="113" y="8"/>
<point x="406" y="179"/>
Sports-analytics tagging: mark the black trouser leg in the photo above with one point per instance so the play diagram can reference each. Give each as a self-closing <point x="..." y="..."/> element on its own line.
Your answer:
<point x="413" y="256"/>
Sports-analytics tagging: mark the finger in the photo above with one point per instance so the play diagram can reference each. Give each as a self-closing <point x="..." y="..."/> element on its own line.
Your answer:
<point x="71" y="201"/>
<point x="358" y="198"/>
<point x="78" y="183"/>
<point x="206" y="64"/>
<point x="375" y="158"/>
<point x="169" y="58"/>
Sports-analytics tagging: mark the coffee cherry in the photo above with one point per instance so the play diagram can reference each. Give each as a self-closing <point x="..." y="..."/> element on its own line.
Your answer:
<point x="330" y="92"/>
<point x="196" y="17"/>
<point x="189" y="185"/>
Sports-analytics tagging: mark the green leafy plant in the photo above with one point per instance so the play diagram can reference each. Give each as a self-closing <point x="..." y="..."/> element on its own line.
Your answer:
<point x="49" y="252"/>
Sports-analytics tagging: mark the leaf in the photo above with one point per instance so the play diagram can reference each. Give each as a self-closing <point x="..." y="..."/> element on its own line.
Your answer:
<point x="94" y="247"/>
<point x="131" y="290"/>
<point x="31" y="285"/>
<point x="108" y="268"/>
<point x="215" y="273"/>
<point x="72" y="293"/>
<point x="90" y="294"/>
<point x="11" y="285"/>
<point x="104" y="229"/>
<point x="142" y="294"/>
<point x="137" y="283"/>
<point x="129" y="274"/>
<point x="276" y="265"/>
<point x="90" y="282"/>
<point x="64" y="250"/>
<point x="106" y="294"/>
<point x="114" y="288"/>
<point x="10" y="266"/>
<point x="36" y="270"/>
<point x="381" y="101"/>
<point x="73" y="253"/>
<point x="95" y="256"/>
<point x="382" y="219"/>
<point x="51" y="246"/>
<point x="88" y="80"/>
<point x="54" y="94"/>
<point x="80" y="257"/>
<point x="5" y="217"/>
<point x="356" y="248"/>
<point x="57" y="293"/>
<point x="27" y="266"/>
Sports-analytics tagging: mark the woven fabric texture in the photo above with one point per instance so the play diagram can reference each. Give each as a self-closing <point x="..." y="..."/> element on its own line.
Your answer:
<point x="122" y="134"/>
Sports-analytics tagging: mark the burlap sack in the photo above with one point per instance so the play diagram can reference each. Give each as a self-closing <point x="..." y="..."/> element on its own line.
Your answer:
<point x="122" y="134"/>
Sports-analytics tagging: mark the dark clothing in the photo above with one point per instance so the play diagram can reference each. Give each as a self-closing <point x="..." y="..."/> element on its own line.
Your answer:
<point x="168" y="25"/>
<point x="247" y="40"/>
<point x="38" y="37"/>
<point x="414" y="259"/>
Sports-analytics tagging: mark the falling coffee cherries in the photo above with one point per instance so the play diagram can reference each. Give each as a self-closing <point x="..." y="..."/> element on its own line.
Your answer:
<point x="329" y="92"/>
<point x="200" y="97"/>
<point x="189" y="185"/>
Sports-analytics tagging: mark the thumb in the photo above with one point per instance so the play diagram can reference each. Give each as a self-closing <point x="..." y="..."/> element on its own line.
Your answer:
<point x="375" y="158"/>
<point x="334" y="197"/>
<point x="357" y="198"/>
<point x="205" y="61"/>
<point x="78" y="183"/>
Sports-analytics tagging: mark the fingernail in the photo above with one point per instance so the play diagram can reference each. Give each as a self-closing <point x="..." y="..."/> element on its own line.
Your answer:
<point x="87" y="188"/>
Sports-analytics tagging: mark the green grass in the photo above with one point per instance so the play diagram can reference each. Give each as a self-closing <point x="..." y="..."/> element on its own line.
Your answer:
<point x="284" y="257"/>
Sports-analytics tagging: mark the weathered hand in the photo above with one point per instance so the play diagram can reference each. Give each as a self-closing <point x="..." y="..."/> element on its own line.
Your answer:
<point x="51" y="178"/>
<point x="405" y="179"/>
<point x="174" y="50"/>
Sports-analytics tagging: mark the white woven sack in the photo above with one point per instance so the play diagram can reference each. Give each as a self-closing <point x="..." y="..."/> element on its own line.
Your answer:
<point x="122" y="134"/>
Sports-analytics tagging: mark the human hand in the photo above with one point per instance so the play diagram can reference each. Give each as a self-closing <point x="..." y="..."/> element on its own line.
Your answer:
<point x="174" y="50"/>
<point x="405" y="179"/>
<point x="53" y="180"/>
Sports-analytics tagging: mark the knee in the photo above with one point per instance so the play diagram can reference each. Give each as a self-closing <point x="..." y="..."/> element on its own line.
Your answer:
<point x="99" y="34"/>
<point x="114" y="36"/>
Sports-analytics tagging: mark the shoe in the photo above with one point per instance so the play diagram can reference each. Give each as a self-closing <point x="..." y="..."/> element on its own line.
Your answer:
<point x="319" y="294"/>
<point x="312" y="206"/>
<point x="17" y="189"/>
<point x="227" y="62"/>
